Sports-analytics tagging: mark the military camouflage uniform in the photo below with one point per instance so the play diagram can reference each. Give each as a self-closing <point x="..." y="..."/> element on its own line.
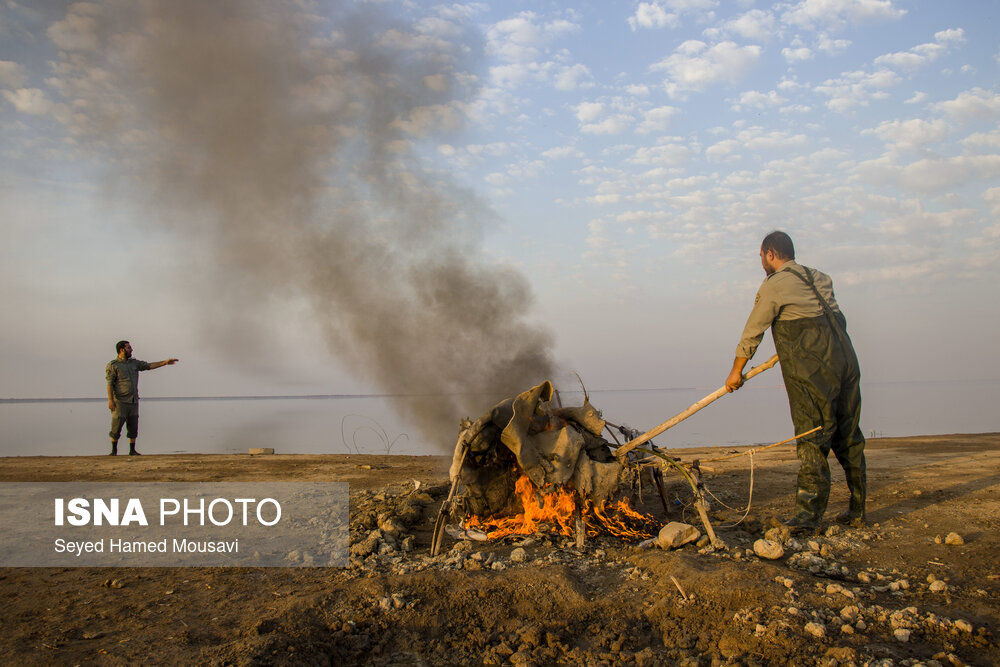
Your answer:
<point x="822" y="378"/>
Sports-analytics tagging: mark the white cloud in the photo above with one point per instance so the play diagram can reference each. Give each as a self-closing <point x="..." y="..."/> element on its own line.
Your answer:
<point x="922" y="54"/>
<point x="694" y="65"/>
<point x="983" y="140"/>
<point x="652" y="15"/>
<point x="656" y="120"/>
<point x="520" y="39"/>
<point x="831" y="46"/>
<point x="795" y="108"/>
<point x="755" y="138"/>
<point x="11" y="74"/>
<point x="572" y="77"/>
<point x="942" y="173"/>
<point x="79" y="30"/>
<point x="31" y="101"/>
<point x="992" y="197"/>
<point x="917" y="98"/>
<point x="836" y="14"/>
<point x="953" y="35"/>
<point x="562" y="152"/>
<point x="975" y="104"/>
<point x="722" y="149"/>
<point x="613" y="124"/>
<point x="663" y="155"/>
<point x="795" y="55"/>
<point x="857" y="88"/>
<point x="908" y="134"/>
<point x="588" y="112"/>
<point x="756" y="24"/>
<point x="758" y="100"/>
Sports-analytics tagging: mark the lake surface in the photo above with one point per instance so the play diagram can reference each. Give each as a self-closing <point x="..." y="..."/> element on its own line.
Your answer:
<point x="368" y="425"/>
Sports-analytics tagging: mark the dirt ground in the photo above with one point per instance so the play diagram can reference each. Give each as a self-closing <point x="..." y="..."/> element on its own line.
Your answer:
<point x="892" y="593"/>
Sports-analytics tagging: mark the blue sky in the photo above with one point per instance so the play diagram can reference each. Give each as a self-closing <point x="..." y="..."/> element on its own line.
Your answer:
<point x="626" y="158"/>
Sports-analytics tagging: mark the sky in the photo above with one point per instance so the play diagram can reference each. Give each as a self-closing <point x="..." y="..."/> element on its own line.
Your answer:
<point x="611" y="167"/>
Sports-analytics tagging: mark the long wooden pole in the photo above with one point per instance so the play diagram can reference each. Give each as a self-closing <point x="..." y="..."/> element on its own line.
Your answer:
<point x="673" y="421"/>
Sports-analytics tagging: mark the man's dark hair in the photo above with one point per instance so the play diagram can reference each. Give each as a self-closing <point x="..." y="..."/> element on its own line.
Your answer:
<point x="120" y="345"/>
<point x="780" y="244"/>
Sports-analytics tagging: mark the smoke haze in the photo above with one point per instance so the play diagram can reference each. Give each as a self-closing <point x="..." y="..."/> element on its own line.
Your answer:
<point x="286" y="146"/>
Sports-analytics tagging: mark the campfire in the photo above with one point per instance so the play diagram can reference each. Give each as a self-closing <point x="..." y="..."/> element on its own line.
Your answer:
<point x="530" y="465"/>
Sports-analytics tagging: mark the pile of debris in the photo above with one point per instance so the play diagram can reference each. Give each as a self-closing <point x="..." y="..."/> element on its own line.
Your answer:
<point x="530" y="462"/>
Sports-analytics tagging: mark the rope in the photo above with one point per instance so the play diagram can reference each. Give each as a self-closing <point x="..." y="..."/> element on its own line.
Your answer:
<point x="750" y="452"/>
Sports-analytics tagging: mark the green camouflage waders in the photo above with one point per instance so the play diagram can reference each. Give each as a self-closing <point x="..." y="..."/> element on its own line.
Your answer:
<point x="822" y="378"/>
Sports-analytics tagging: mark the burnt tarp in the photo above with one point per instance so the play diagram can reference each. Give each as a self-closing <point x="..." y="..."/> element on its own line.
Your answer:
<point x="553" y="446"/>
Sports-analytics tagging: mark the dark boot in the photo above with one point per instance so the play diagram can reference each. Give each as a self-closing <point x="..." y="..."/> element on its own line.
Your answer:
<point x="855" y="515"/>
<point x="131" y="449"/>
<point x="114" y="448"/>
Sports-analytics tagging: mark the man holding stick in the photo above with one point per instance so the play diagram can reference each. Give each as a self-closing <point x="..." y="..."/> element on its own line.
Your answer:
<point x="821" y="374"/>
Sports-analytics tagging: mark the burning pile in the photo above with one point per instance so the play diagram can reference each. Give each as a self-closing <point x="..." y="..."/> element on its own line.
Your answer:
<point x="528" y="466"/>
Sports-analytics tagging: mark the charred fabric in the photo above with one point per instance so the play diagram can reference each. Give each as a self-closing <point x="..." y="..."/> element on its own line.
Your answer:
<point x="529" y="461"/>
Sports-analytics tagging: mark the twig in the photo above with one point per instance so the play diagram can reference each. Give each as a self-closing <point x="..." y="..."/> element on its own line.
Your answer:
<point x="678" y="585"/>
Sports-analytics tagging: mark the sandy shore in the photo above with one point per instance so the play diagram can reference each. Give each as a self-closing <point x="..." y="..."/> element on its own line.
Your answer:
<point x="852" y="596"/>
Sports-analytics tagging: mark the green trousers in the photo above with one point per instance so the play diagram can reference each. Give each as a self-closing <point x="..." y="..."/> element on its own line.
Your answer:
<point x="822" y="378"/>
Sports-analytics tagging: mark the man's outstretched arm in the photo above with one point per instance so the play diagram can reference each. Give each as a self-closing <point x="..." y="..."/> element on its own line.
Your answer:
<point x="165" y="362"/>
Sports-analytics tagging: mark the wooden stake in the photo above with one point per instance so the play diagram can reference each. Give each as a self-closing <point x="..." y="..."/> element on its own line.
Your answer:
<point x="695" y="407"/>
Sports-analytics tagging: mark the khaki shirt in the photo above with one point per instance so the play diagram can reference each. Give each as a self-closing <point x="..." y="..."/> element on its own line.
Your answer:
<point x="123" y="378"/>
<point x="784" y="296"/>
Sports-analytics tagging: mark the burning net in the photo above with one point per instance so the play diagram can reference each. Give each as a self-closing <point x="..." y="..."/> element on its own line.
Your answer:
<point x="529" y="466"/>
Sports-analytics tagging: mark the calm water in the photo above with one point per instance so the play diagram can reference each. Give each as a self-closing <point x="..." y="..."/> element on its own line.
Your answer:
<point x="754" y="415"/>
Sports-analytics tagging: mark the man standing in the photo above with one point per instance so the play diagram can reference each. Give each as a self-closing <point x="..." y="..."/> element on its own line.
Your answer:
<point x="122" y="374"/>
<point x="821" y="374"/>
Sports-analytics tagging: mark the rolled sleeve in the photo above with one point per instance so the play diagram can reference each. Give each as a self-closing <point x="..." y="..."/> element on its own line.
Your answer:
<point x="141" y="365"/>
<point x="765" y="311"/>
<point x="110" y="375"/>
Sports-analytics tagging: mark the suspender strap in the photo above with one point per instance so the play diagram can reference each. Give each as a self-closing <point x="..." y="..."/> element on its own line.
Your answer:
<point x="826" y="306"/>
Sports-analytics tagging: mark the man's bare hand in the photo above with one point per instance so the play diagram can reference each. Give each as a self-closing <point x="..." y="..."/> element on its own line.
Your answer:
<point x="111" y="405"/>
<point x="734" y="381"/>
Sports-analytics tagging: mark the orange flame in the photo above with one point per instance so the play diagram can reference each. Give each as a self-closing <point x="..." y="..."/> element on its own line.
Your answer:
<point x="555" y="512"/>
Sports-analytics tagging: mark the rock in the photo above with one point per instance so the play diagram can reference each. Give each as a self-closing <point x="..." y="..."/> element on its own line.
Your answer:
<point x="954" y="540"/>
<point x="768" y="549"/>
<point x="832" y="530"/>
<point x="817" y="630"/>
<point x="779" y="534"/>
<point x="963" y="626"/>
<point x="522" y="657"/>
<point x="408" y="543"/>
<point x="397" y="601"/>
<point x="864" y="578"/>
<point x="938" y="586"/>
<point x="518" y="555"/>
<point x="676" y="534"/>
<point x="703" y="541"/>
<point x="901" y="635"/>
<point x="850" y="613"/>
<point x="385" y="604"/>
<point x="390" y="525"/>
<point x="464" y="546"/>
<point x="367" y="546"/>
